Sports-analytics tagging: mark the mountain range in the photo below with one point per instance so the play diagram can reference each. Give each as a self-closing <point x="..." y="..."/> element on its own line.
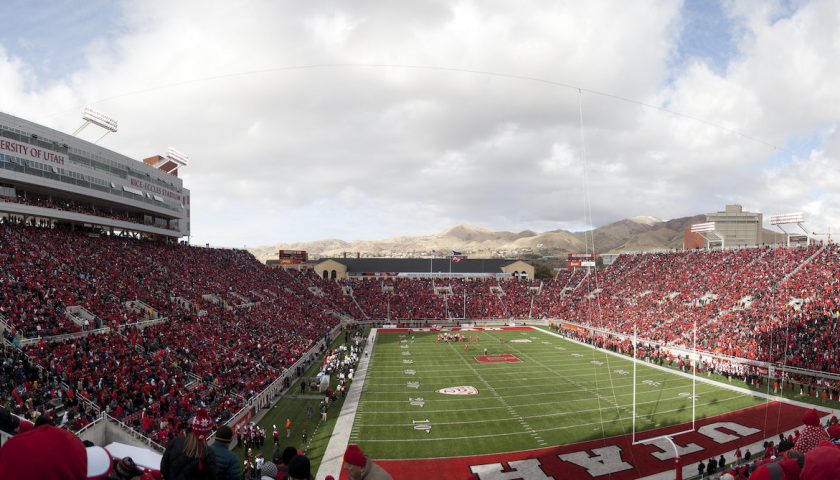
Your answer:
<point x="632" y="234"/>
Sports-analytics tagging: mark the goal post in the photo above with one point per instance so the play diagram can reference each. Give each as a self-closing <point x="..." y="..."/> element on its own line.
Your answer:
<point x="694" y="359"/>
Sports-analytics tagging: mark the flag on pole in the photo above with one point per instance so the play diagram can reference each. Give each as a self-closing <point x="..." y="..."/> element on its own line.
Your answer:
<point x="456" y="256"/>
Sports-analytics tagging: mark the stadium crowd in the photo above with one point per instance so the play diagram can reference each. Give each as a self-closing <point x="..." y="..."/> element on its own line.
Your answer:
<point x="227" y="326"/>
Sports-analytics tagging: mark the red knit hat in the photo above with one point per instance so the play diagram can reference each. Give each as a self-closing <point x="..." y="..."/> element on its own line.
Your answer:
<point x="25" y="426"/>
<point x="834" y="431"/>
<point x="202" y="424"/>
<point x="822" y="463"/>
<point x="811" y="417"/>
<point x="355" y="456"/>
<point x="769" y="471"/>
<point x="23" y="456"/>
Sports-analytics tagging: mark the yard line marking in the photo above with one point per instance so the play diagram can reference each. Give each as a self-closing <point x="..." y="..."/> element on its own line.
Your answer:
<point x="489" y="386"/>
<point x="564" y="427"/>
<point x="549" y="415"/>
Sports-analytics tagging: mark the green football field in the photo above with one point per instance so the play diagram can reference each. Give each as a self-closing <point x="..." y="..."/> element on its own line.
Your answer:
<point x="558" y="392"/>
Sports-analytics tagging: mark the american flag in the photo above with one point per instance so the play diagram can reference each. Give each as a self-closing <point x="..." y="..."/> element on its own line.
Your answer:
<point x="456" y="256"/>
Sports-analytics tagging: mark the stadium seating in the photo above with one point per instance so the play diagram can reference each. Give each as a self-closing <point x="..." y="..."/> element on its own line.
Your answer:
<point x="221" y="351"/>
<point x="230" y="326"/>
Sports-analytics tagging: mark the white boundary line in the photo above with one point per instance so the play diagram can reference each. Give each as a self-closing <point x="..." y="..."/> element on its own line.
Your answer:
<point x="339" y="438"/>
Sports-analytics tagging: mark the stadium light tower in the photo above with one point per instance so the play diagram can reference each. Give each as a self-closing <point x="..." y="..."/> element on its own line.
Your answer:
<point x="99" y="119"/>
<point x="709" y="233"/>
<point x="797" y="219"/>
<point x="170" y="164"/>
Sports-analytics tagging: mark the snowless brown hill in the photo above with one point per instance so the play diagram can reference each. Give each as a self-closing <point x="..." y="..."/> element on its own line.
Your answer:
<point x="632" y="234"/>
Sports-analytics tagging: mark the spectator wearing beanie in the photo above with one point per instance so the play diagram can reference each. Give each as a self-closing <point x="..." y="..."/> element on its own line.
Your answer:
<point x="283" y="462"/>
<point x="23" y="456"/>
<point x="822" y="463"/>
<point x="299" y="468"/>
<point x="227" y="465"/>
<point x="812" y="434"/>
<point x="188" y="457"/>
<point x="268" y="471"/>
<point x="126" y="469"/>
<point x="834" y="433"/>
<point x="360" y="467"/>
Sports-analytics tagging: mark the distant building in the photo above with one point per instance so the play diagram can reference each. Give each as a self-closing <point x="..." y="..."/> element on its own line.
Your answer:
<point x="342" y="268"/>
<point x="737" y="227"/>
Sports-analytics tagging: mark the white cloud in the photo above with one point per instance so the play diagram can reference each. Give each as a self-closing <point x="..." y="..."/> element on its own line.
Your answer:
<point x="370" y="151"/>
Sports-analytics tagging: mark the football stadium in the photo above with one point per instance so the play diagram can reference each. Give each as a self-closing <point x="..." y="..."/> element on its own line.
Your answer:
<point x="133" y="350"/>
<point x="115" y="331"/>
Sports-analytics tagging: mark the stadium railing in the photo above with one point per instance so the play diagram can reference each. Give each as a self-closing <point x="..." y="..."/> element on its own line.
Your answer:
<point x="101" y="431"/>
<point x="63" y="336"/>
<point x="144" y="323"/>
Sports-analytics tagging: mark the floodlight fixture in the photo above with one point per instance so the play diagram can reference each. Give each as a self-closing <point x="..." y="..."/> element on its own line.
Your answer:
<point x="91" y="116"/>
<point x="787" y="218"/>
<point x="99" y="119"/>
<point x="708" y="232"/>
<point x="176" y="156"/>
<point x="796" y="218"/>
<point x="703" y="227"/>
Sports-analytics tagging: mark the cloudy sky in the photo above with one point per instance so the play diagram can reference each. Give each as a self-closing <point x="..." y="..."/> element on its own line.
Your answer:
<point x="372" y="119"/>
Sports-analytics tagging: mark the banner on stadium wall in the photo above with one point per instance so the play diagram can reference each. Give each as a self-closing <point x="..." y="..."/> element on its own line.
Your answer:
<point x="244" y="420"/>
<point x="31" y="152"/>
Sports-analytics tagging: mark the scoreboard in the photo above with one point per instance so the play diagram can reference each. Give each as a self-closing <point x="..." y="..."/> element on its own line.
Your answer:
<point x="581" y="260"/>
<point x="293" y="257"/>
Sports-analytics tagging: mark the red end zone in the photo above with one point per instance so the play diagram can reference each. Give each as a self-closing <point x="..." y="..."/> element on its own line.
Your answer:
<point x="500" y="358"/>
<point x="615" y="457"/>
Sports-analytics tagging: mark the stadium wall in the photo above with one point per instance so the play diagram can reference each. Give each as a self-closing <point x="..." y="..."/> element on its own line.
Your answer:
<point x="44" y="161"/>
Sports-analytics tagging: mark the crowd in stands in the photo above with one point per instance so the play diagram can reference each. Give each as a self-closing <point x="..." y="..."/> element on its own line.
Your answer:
<point x="769" y="304"/>
<point x="237" y="327"/>
<point x="229" y="326"/>
<point x="71" y="205"/>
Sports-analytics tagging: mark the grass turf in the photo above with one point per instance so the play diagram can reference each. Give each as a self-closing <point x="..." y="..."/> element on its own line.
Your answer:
<point x="560" y="392"/>
<point x="292" y="405"/>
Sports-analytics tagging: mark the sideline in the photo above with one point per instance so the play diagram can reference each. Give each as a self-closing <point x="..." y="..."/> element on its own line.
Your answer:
<point x="333" y="458"/>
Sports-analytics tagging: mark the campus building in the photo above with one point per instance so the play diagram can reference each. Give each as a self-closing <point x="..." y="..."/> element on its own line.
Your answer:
<point x="737" y="227"/>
